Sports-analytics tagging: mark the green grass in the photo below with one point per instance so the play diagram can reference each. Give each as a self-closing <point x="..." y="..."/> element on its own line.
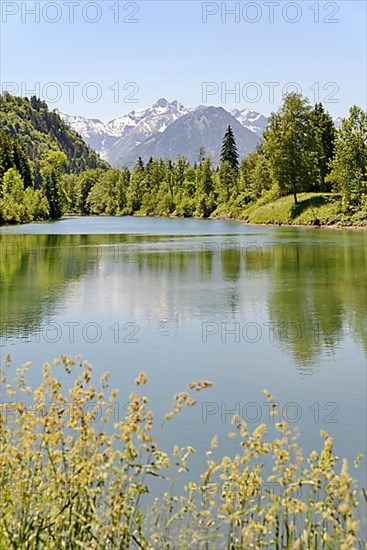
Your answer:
<point x="324" y="207"/>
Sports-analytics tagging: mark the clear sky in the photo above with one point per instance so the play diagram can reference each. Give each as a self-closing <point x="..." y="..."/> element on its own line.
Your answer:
<point x="122" y="56"/>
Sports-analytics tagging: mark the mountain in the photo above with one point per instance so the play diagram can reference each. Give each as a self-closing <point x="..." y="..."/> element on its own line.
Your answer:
<point x="145" y="124"/>
<point x="251" y="119"/>
<point x="115" y="139"/>
<point x="93" y="131"/>
<point x="40" y="130"/>
<point x="202" y="128"/>
<point x="123" y="140"/>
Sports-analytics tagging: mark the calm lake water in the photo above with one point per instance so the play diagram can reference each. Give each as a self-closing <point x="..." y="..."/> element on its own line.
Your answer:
<point x="245" y="307"/>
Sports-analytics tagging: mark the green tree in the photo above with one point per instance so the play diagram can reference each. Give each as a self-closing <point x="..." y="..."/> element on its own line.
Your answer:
<point x="36" y="205"/>
<point x="12" y="198"/>
<point x="70" y="183"/>
<point x="13" y="155"/>
<point x="325" y="134"/>
<point x="289" y="145"/>
<point x="136" y="188"/>
<point x="121" y="187"/>
<point x="86" y="181"/>
<point x="154" y="177"/>
<point x="108" y="194"/>
<point x="184" y="187"/>
<point x="204" y="189"/>
<point x="226" y="182"/>
<point x="204" y="177"/>
<point x="349" y="167"/>
<point x="229" y="151"/>
<point x="254" y="176"/>
<point x="52" y="167"/>
<point x="13" y="185"/>
<point x="19" y="205"/>
<point x="170" y="179"/>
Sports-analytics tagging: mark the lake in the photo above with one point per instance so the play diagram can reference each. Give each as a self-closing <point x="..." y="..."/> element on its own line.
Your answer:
<point x="245" y="307"/>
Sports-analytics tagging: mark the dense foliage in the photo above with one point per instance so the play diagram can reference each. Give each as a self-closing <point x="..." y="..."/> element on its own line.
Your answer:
<point x="349" y="166"/>
<point x="77" y="473"/>
<point x="300" y="152"/>
<point x="13" y="155"/>
<point x="19" y="205"/>
<point x="41" y="131"/>
<point x="36" y="149"/>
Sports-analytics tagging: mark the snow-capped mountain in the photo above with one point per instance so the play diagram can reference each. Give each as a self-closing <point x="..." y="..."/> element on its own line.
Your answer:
<point x="202" y="127"/>
<point x="133" y="128"/>
<point x="122" y="139"/>
<point x="95" y="133"/>
<point x="158" y="131"/>
<point x="252" y="120"/>
<point x="142" y="125"/>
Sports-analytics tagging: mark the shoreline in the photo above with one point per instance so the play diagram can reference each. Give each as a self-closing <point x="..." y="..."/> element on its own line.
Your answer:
<point x="219" y="218"/>
<point x="307" y="226"/>
<point x="273" y="224"/>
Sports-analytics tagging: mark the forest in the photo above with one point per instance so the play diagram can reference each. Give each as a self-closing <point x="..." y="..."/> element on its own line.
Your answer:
<point x="305" y="170"/>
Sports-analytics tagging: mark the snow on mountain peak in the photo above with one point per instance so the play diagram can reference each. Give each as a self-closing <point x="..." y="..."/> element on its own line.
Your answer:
<point x="137" y="126"/>
<point x="117" y="138"/>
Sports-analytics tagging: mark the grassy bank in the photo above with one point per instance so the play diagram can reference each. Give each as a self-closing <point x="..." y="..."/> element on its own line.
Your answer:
<point x="312" y="209"/>
<point x="73" y="475"/>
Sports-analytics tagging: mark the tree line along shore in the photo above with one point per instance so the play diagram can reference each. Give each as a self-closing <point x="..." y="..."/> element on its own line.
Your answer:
<point x="304" y="172"/>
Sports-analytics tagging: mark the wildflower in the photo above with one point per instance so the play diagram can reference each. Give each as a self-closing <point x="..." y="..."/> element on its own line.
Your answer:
<point x="72" y="482"/>
<point x="199" y="385"/>
<point x="141" y="379"/>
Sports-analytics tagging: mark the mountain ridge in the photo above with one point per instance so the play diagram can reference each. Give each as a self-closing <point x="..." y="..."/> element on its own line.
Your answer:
<point x="202" y="128"/>
<point x="122" y="140"/>
<point x="151" y="131"/>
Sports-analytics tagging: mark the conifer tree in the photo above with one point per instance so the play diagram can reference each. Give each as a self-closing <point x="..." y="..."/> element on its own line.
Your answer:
<point x="13" y="155"/>
<point x="52" y="168"/>
<point x="229" y="149"/>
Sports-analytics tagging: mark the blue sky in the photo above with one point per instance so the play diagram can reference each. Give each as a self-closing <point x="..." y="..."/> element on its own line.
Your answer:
<point x="169" y="51"/>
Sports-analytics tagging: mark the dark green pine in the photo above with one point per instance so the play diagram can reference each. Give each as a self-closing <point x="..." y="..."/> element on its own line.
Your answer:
<point x="229" y="149"/>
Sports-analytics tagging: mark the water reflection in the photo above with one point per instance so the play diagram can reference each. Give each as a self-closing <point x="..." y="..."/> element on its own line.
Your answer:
<point x="305" y="294"/>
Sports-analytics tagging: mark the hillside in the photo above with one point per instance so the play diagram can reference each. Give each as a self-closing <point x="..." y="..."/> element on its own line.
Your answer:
<point x="312" y="209"/>
<point x="41" y="130"/>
